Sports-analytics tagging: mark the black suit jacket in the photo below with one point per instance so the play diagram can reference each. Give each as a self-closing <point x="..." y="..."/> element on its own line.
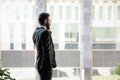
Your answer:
<point x="45" y="49"/>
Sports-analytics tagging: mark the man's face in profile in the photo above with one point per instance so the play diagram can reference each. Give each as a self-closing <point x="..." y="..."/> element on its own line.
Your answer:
<point x="48" y="23"/>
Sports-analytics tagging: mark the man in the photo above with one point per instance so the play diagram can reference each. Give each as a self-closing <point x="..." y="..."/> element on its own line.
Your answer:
<point x="42" y="40"/>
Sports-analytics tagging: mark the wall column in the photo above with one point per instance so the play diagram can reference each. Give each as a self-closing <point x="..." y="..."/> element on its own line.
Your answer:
<point x="85" y="51"/>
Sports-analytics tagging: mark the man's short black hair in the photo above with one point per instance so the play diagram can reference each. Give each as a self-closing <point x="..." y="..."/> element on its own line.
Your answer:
<point x="42" y="17"/>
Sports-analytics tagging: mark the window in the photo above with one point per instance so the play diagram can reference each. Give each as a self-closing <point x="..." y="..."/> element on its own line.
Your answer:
<point x="33" y="12"/>
<point x="109" y="12"/>
<point x="109" y="32"/>
<point x="104" y="46"/>
<point x="118" y="16"/>
<point x="68" y="12"/>
<point x="71" y="36"/>
<point x="25" y="11"/>
<point x="76" y="13"/>
<point x="11" y="45"/>
<point x="71" y="46"/>
<point x="8" y="8"/>
<point x="60" y="12"/>
<point x="56" y="36"/>
<point x="23" y="25"/>
<point x="51" y="12"/>
<point x="100" y="13"/>
<point x="23" y="46"/>
<point x="17" y="12"/>
<point x="11" y="29"/>
<point x="71" y="32"/>
<point x="104" y="34"/>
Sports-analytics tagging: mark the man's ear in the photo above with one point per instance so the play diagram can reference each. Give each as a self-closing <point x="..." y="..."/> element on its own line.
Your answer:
<point x="45" y="21"/>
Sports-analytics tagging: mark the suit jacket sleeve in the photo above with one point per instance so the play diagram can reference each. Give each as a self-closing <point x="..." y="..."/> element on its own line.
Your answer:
<point x="46" y="49"/>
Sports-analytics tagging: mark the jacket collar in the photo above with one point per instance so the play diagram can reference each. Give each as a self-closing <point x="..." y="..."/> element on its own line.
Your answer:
<point x="41" y="27"/>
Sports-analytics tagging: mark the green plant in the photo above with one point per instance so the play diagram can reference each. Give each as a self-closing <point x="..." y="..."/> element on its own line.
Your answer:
<point x="5" y="74"/>
<point x="118" y="70"/>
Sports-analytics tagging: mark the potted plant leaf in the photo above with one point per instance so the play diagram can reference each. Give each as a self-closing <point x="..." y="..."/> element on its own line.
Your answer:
<point x="5" y="74"/>
<point x="118" y="70"/>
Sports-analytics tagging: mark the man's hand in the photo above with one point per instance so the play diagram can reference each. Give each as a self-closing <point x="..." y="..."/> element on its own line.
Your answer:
<point x="48" y="26"/>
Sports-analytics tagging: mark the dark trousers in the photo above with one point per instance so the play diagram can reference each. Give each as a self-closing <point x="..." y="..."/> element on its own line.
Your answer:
<point x="45" y="75"/>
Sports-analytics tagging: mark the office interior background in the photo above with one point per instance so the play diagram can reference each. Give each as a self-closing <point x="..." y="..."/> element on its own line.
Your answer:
<point x="18" y="21"/>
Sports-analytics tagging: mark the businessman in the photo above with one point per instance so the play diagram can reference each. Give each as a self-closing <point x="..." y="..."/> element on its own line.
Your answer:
<point x="45" y="60"/>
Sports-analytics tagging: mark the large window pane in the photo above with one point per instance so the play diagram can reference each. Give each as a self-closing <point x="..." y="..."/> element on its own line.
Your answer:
<point x="16" y="21"/>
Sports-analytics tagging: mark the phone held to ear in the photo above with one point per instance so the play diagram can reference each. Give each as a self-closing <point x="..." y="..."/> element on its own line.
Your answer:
<point x="48" y="26"/>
